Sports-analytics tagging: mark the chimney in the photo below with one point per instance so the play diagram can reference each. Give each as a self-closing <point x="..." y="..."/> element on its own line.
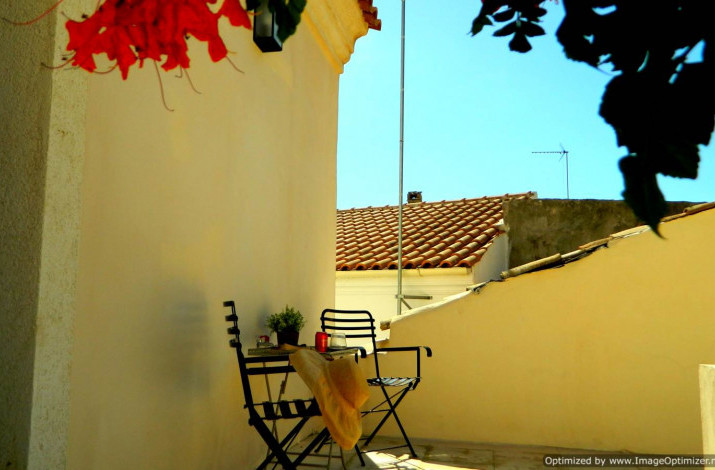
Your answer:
<point x="413" y="197"/>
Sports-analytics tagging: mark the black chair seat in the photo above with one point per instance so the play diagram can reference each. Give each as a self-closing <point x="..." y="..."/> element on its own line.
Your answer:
<point x="287" y="409"/>
<point x="391" y="381"/>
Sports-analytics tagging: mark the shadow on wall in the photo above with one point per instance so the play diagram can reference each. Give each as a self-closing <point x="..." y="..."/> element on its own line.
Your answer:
<point x="177" y="338"/>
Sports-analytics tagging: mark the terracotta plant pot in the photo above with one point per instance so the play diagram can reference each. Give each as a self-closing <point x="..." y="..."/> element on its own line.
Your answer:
<point x="288" y="337"/>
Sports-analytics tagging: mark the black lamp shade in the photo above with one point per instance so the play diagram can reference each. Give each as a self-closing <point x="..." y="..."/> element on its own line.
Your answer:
<point x="265" y="28"/>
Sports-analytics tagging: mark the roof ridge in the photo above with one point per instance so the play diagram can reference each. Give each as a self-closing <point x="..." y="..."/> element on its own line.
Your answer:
<point x="501" y="197"/>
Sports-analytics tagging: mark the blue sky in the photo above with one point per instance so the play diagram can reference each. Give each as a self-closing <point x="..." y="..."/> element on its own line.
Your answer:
<point x="474" y="112"/>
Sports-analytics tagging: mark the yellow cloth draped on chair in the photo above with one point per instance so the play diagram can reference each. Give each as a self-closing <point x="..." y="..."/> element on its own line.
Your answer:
<point x="339" y="388"/>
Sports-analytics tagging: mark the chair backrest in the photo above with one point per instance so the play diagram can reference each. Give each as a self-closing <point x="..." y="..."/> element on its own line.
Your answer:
<point x="353" y="324"/>
<point x="251" y="365"/>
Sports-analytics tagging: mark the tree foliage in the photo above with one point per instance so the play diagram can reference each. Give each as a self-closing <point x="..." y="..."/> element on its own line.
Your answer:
<point x="661" y="101"/>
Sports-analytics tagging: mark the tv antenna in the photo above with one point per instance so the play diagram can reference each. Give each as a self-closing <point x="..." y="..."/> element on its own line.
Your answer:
<point x="564" y="153"/>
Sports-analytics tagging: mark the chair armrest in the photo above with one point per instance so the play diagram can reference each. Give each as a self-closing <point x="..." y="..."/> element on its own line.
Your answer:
<point x="362" y="353"/>
<point x="428" y="351"/>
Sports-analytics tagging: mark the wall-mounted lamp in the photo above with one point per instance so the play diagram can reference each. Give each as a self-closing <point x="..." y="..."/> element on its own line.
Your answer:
<point x="265" y="27"/>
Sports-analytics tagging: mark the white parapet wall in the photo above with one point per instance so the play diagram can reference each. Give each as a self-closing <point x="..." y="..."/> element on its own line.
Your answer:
<point x="375" y="290"/>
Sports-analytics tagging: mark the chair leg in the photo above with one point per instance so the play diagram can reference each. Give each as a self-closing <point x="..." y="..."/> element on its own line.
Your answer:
<point x="309" y="447"/>
<point x="328" y="440"/>
<point x="386" y="416"/>
<point x="392" y="412"/>
<point x="330" y="454"/>
<point x="276" y="448"/>
<point x="283" y="444"/>
<point x="278" y="451"/>
<point x="359" y="454"/>
<point x="402" y="430"/>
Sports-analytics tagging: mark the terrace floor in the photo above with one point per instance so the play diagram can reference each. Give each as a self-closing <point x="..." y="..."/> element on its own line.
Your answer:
<point x="444" y="455"/>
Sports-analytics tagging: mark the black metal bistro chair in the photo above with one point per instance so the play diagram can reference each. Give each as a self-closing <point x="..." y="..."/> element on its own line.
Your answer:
<point x="271" y="411"/>
<point x="357" y="324"/>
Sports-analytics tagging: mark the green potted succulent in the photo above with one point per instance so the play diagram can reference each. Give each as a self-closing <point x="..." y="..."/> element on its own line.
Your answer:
<point x="287" y="325"/>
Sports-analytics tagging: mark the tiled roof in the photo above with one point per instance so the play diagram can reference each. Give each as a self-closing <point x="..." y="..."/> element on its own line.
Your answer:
<point x="369" y="13"/>
<point x="434" y="235"/>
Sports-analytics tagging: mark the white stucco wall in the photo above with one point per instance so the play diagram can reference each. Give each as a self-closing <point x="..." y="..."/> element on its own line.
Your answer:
<point x="494" y="261"/>
<point x="375" y="291"/>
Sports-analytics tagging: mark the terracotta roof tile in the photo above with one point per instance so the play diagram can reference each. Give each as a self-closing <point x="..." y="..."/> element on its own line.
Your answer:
<point x="382" y="264"/>
<point x="435" y="234"/>
<point x="369" y="13"/>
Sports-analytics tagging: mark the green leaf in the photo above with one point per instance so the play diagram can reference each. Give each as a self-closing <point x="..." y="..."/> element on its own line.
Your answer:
<point x="533" y="14"/>
<point x="532" y="29"/>
<point x="519" y="43"/>
<point x="507" y="30"/>
<point x="641" y="191"/>
<point x="480" y="22"/>
<point x="505" y="15"/>
<point x="539" y="11"/>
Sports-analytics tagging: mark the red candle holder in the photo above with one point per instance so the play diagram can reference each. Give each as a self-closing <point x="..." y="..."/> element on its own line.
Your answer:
<point x="321" y="341"/>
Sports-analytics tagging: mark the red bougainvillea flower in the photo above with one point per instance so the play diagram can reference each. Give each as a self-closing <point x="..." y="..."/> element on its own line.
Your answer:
<point x="235" y="13"/>
<point x="128" y="31"/>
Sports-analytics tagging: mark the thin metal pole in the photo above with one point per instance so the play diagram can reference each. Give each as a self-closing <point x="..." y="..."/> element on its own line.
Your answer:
<point x="402" y="143"/>
<point x="567" y="176"/>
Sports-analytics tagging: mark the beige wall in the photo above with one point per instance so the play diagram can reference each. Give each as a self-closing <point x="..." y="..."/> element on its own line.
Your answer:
<point x="602" y="353"/>
<point x="231" y="196"/>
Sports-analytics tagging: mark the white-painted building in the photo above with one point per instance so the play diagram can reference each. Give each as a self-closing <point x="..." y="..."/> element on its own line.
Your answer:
<point x="447" y="246"/>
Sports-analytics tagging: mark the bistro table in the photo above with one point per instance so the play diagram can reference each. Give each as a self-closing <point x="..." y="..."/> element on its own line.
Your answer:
<point x="330" y="354"/>
<point x="280" y="353"/>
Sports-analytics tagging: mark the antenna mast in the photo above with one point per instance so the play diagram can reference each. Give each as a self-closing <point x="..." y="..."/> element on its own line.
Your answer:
<point x="400" y="296"/>
<point x="563" y="153"/>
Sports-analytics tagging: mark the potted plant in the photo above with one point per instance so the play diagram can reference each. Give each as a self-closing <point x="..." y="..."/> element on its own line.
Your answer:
<point x="287" y="325"/>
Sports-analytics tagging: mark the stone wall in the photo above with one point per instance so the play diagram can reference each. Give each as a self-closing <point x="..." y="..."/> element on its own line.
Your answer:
<point x="543" y="227"/>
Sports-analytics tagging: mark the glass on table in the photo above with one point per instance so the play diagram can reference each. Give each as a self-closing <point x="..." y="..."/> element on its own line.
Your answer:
<point x="338" y="341"/>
